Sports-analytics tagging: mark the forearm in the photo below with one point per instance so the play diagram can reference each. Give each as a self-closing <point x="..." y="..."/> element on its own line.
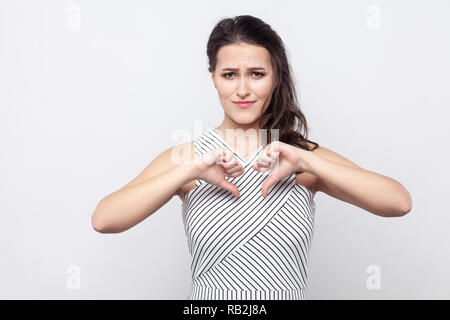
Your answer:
<point x="371" y="191"/>
<point x="127" y="207"/>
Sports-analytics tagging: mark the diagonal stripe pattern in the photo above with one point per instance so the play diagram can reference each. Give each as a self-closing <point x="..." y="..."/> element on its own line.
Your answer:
<point x="247" y="247"/>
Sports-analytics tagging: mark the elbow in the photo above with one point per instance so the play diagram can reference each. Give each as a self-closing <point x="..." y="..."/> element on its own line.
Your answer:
<point x="99" y="223"/>
<point x="102" y="227"/>
<point x="407" y="204"/>
<point x="406" y="208"/>
<point x="397" y="211"/>
<point x="98" y="227"/>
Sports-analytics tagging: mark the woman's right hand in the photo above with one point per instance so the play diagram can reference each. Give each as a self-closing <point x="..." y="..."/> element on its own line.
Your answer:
<point x="214" y="166"/>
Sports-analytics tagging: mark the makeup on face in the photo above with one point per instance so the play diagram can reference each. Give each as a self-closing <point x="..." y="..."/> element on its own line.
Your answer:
<point x="243" y="104"/>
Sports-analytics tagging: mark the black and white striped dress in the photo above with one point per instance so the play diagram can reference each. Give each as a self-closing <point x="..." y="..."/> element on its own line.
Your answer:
<point x="247" y="247"/>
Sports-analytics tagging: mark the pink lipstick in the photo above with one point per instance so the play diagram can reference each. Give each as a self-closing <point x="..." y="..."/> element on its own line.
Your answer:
<point x="243" y="104"/>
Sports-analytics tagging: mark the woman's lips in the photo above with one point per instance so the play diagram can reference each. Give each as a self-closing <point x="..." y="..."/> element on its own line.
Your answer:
<point x="243" y="104"/>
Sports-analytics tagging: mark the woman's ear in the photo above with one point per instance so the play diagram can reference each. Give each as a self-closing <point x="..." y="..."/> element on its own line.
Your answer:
<point x="213" y="80"/>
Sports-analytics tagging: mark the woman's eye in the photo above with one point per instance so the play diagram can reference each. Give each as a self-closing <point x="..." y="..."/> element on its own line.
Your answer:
<point x="230" y="73"/>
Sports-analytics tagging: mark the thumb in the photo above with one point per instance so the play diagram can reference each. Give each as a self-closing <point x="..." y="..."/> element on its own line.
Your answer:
<point x="270" y="181"/>
<point x="227" y="185"/>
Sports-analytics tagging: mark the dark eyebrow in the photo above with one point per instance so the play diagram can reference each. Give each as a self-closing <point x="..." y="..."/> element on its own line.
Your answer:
<point x="236" y="69"/>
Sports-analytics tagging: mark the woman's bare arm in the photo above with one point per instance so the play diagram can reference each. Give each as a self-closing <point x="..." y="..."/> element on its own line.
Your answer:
<point x="144" y="195"/>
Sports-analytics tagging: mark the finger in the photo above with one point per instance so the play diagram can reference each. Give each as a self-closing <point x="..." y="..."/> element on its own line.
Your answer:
<point x="273" y="152"/>
<point x="269" y="156"/>
<point x="262" y="168"/>
<point x="230" y="163"/>
<point x="210" y="157"/>
<point x="227" y="158"/>
<point x="215" y="156"/>
<point x="275" y="147"/>
<point x="265" y="162"/>
<point x="268" y="183"/>
<point x="256" y="167"/>
<point x="235" y="168"/>
<point x="236" y="174"/>
<point x="222" y="157"/>
<point x="226" y="155"/>
<point x="230" y="187"/>
<point x="273" y="158"/>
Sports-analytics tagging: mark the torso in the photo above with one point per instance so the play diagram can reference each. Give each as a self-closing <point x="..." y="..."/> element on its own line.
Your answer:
<point x="305" y="179"/>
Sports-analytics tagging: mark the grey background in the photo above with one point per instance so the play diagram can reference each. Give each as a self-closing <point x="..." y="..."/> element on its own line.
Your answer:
<point x="92" y="91"/>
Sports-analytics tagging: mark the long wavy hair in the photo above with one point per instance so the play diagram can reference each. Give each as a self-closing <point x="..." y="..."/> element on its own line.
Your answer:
<point x="283" y="112"/>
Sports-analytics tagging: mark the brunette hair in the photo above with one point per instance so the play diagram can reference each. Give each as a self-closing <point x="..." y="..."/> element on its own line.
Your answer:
<point x="283" y="112"/>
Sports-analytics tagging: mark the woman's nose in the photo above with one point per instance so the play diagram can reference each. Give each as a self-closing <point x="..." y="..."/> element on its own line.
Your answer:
<point x="243" y="89"/>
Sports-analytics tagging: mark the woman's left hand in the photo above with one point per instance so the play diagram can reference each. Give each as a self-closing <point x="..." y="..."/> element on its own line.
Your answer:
<point x="283" y="160"/>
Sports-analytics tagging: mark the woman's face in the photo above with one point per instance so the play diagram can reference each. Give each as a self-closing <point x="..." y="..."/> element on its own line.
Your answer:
<point x="243" y="73"/>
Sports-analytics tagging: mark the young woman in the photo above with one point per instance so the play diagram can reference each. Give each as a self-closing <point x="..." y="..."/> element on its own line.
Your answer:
<point x="248" y="206"/>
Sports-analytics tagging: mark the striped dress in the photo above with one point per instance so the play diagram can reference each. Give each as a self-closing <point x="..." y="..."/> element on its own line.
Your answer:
<point x="247" y="247"/>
